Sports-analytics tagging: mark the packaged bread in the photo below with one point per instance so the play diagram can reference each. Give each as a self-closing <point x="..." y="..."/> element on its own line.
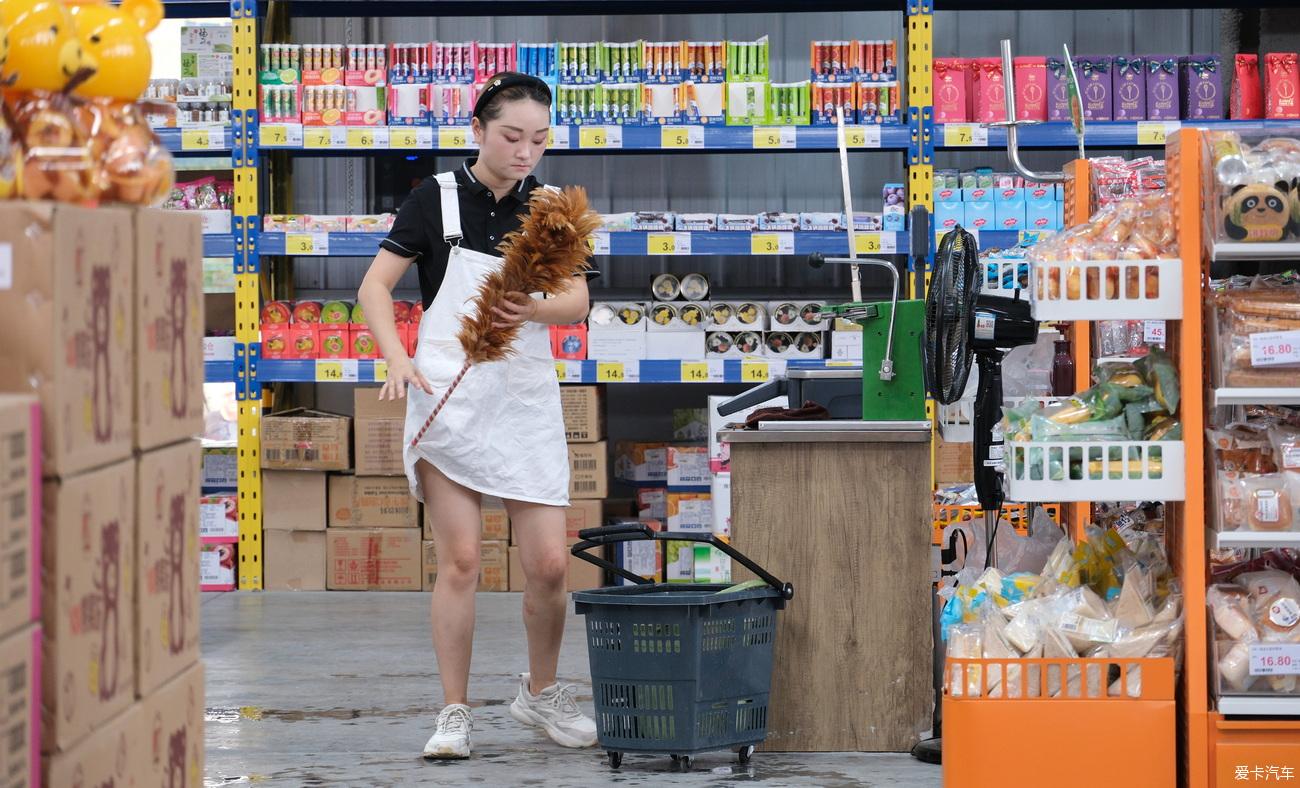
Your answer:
<point x="1244" y="312"/>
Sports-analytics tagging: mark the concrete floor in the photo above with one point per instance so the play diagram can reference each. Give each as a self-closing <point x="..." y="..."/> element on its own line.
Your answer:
<point x="316" y="689"/>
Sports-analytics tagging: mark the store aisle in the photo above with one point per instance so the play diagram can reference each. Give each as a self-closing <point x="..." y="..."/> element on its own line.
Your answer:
<point x="321" y="689"/>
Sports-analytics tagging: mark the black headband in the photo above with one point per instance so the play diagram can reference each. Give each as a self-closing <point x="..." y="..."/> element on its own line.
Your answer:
<point x="500" y="83"/>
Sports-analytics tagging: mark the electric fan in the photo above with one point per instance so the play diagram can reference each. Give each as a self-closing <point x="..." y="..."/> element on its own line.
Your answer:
<point x="962" y="325"/>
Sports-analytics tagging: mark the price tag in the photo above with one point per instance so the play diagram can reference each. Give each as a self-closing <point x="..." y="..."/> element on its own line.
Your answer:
<point x="1274" y="348"/>
<point x="668" y="243"/>
<point x="280" y="135"/>
<point x="559" y="138"/>
<point x="381" y="371"/>
<point x="336" y="371"/>
<point x="965" y="135"/>
<point x="681" y="137"/>
<point x="610" y="372"/>
<point x="774" y="137"/>
<point x="455" y="137"/>
<point x="316" y="244"/>
<point x="599" y="242"/>
<point x="1153" y="332"/>
<point x="1275" y="659"/>
<point x="561" y="371"/>
<point x="875" y="243"/>
<point x="1156" y="131"/>
<point x="600" y="137"/>
<point x="753" y="371"/>
<point x="862" y="136"/>
<point x="367" y="137"/>
<point x="695" y="372"/>
<point x="771" y="243"/>
<point x="408" y="137"/>
<point x="317" y="137"/>
<point x="203" y="139"/>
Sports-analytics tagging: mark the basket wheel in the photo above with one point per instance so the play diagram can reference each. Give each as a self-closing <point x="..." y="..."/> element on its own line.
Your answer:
<point x="745" y="753"/>
<point x="615" y="759"/>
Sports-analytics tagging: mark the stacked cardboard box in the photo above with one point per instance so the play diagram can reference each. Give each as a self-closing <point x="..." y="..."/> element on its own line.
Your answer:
<point x="105" y="318"/>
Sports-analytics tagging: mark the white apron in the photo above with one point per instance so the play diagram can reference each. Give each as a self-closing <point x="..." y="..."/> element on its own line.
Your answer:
<point x="501" y="432"/>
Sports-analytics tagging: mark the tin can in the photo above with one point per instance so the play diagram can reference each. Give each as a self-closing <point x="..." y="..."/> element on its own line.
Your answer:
<point x="748" y="342"/>
<point x="749" y="313"/>
<point x="778" y="343"/>
<point x="719" y="342"/>
<point x="808" y="341"/>
<point x="785" y="314"/>
<point x="666" y="287"/>
<point x="694" y="287"/>
<point x="721" y="313"/>
<point x="691" y="315"/>
<point x="663" y="314"/>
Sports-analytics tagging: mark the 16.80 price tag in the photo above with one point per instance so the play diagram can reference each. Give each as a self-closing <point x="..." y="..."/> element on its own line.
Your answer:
<point x="1274" y="348"/>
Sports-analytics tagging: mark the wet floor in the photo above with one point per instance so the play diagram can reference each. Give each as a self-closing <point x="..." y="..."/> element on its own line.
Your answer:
<point x="340" y="689"/>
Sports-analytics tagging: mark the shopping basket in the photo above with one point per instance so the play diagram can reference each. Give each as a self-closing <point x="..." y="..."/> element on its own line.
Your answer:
<point x="679" y="668"/>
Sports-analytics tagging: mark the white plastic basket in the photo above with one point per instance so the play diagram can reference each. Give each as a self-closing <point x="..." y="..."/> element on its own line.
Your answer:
<point x="1096" y="471"/>
<point x="1106" y="289"/>
<point x="957" y="421"/>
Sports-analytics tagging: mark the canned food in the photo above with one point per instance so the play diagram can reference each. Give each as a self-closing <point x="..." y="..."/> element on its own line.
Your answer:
<point x="695" y="287"/>
<point x="631" y="314"/>
<point x="602" y="315"/>
<point x="749" y="313"/>
<point x="748" y="342"/>
<point x="779" y="342"/>
<point x="811" y="314"/>
<point x="785" y="314"/>
<point x="719" y="342"/>
<point x="721" y="314"/>
<point x="808" y="341"/>
<point x="663" y="314"/>
<point x="666" y="287"/>
<point x="691" y="314"/>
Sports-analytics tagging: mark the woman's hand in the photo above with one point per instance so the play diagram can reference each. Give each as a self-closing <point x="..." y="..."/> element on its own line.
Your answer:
<point x="402" y="373"/>
<point x="514" y="311"/>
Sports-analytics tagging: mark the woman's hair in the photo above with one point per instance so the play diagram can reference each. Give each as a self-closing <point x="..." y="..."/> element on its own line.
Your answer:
<point x="510" y="86"/>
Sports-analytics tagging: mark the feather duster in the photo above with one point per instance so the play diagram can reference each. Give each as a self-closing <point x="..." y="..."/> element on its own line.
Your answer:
<point x="542" y="256"/>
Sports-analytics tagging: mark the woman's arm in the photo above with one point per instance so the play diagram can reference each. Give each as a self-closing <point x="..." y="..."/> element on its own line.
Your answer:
<point x="564" y="309"/>
<point x="376" y="297"/>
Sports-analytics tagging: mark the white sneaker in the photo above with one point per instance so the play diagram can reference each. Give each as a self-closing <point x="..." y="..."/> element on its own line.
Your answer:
<point x="557" y="712"/>
<point x="450" y="739"/>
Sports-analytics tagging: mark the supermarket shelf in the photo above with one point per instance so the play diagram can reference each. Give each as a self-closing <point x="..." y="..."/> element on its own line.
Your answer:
<point x="416" y="8"/>
<point x="1250" y="705"/>
<point x="218" y="372"/>
<point x="186" y="142"/>
<point x="623" y="243"/>
<point x="1098" y="134"/>
<point x="1253" y="539"/>
<point x="1254" y="396"/>
<point x="1236" y="250"/>
<point x="219" y="245"/>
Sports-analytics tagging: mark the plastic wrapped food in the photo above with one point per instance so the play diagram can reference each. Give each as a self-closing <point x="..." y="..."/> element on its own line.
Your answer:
<point x="57" y="162"/>
<point x="1158" y="370"/>
<point x="1246" y="312"/>
<point x="131" y="164"/>
<point x="1138" y="228"/>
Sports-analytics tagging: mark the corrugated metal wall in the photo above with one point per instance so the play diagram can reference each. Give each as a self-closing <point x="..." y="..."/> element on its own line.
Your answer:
<point x="733" y="183"/>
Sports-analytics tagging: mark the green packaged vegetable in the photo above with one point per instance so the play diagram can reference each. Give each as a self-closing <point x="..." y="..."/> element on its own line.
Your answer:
<point x="1158" y="370"/>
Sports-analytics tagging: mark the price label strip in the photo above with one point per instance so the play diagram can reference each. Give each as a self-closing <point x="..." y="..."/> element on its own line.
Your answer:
<point x="1155" y="132"/>
<point x="771" y="243"/>
<point x="336" y="371"/>
<point x="754" y="371"/>
<point x="304" y="244"/>
<point x="1153" y="332"/>
<point x="317" y="137"/>
<point x="409" y="138"/>
<point x="606" y="137"/>
<point x="1274" y="348"/>
<point x="695" y="372"/>
<point x="965" y="135"/>
<point x="1275" y="659"/>
<point x="775" y="137"/>
<point x="559" y="139"/>
<point x="280" y="135"/>
<point x="862" y="136"/>
<point x="381" y="371"/>
<point x="599" y="243"/>
<point x="367" y="138"/>
<point x="668" y="243"/>
<point x="876" y="243"/>
<point x="569" y="371"/>
<point x="681" y="137"/>
<point x="213" y="138"/>
<point x="455" y="137"/>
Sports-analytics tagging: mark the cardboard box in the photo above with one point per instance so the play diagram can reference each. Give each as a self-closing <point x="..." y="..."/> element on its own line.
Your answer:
<point x="643" y="558"/>
<point x="577" y="516"/>
<point x="167" y="558"/>
<point x="168" y="328"/>
<point x="951" y="90"/>
<point x="175" y="752"/>
<point x="688" y="467"/>
<point x="582" y="575"/>
<point x="372" y="502"/>
<point x="67" y="316"/>
<point x="221" y="467"/>
<point x="219" y="517"/>
<point x="88" y="563"/>
<point x="641" y="463"/>
<point x="652" y="503"/>
<point x="494" y="567"/>
<point x="379" y="446"/>
<point x="114" y="755"/>
<point x="217" y="564"/>
<point x="429" y="563"/>
<point x="690" y="424"/>
<point x="20" y="496"/>
<point x="373" y="559"/>
<point x="1129" y="86"/>
<point x="516" y="570"/>
<point x="494" y="520"/>
<point x="293" y="560"/>
<point x="588" y="471"/>
<point x="607" y="343"/>
<point x="305" y="440"/>
<point x="846" y="345"/>
<point x="584" y="420"/>
<point x="720" y="489"/>
<point x="711" y="565"/>
<point x="20" y="682"/>
<point x="954" y="462"/>
<point x="1031" y="87"/>
<point x="690" y="512"/>
<point x="679" y="562"/>
<point x="367" y="404"/>
<point x="293" y="501"/>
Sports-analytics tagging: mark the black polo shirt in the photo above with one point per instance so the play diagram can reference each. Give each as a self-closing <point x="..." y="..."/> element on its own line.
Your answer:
<point x="417" y="231"/>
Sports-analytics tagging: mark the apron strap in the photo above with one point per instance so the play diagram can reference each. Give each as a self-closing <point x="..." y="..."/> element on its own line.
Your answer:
<point x="450" y="200"/>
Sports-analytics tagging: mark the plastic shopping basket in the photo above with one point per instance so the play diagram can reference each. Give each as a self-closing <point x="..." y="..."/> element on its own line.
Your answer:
<point x="679" y="669"/>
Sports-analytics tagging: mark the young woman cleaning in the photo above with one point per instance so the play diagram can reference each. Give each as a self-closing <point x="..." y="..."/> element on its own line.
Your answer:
<point x="501" y="433"/>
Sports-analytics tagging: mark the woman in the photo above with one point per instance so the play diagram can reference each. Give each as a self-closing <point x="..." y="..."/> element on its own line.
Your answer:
<point x="501" y="431"/>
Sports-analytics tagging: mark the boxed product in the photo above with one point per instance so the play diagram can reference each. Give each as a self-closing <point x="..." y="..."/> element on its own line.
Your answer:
<point x="569" y="342"/>
<point x="652" y="503"/>
<point x="372" y="502"/>
<point x="373" y="559"/>
<point x="217" y="565"/>
<point x="894" y="214"/>
<point x="737" y="222"/>
<point x="820" y="221"/>
<point x="219" y="517"/>
<point x="492" y="59"/>
<point x="20" y="728"/>
<point x="679" y="561"/>
<point x="704" y="61"/>
<point x="175" y="716"/>
<point x="705" y="103"/>
<point x="114" y="754"/>
<point x="207" y="51"/>
<point x="711" y="565"/>
<point x="1031" y="87"/>
<point x="954" y="462"/>
<point x="322" y="64"/>
<point x="494" y="566"/>
<point x="579" y="516"/>
<point x="827" y="98"/>
<point x="539" y="60"/>
<point x="778" y="220"/>
<point x="789" y="104"/>
<point x="846" y="345"/>
<point x="579" y="63"/>
<point x="1058" y="91"/>
<point x="701" y="222"/>
<point x="365" y="65"/>
<point x="167" y="560"/>
<point x="1202" y="83"/>
<point x="749" y="60"/>
<point x="409" y="63"/>
<point x="690" y="512"/>
<point x="588" y="470"/>
<point x="616" y="331"/>
<point x="89" y="552"/>
<point x="342" y="105"/>
<point x="280" y="64"/>
<point x="448" y="105"/>
<point x="951" y="90"/>
<point x="688" y="467"/>
<point x="979" y="213"/>
<point x="988" y="90"/>
<point x="1164" y="99"/>
<point x="1129" y="85"/>
<point x="1095" y="87"/>
<point x="579" y="105"/>
<point x="720" y="489"/>
<point x="429" y="565"/>
<point x="1247" y="93"/>
<point x="747" y="103"/>
<point x="220" y="467"/>
<point x="409" y="105"/>
<point x="293" y="501"/>
<point x="740" y="316"/>
<point x="796" y="316"/>
<point x="293" y="560"/>
<point x="1040" y="208"/>
<point x="67" y="315"/>
<point x="1281" y="85"/>
<point x="378" y="433"/>
<point x="949" y="213"/>
<point x="641" y="463"/>
<point x="494" y="520"/>
<point x="362" y="343"/>
<point x="644" y="558"/>
<point x="307" y="440"/>
<point x="663" y="104"/>
<point x="281" y="104"/>
<point x="20" y="495"/>
<point x="690" y="424"/>
<point x="1009" y="209"/>
<point x="583" y="410"/>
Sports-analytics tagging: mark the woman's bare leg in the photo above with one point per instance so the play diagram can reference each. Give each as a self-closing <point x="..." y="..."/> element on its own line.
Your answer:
<point x="543" y="551"/>
<point x="457" y="532"/>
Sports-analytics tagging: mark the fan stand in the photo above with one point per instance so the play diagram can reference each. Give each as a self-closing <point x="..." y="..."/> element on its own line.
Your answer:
<point x="988" y="452"/>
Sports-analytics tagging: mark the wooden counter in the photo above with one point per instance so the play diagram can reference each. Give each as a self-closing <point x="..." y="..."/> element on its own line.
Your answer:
<point x="844" y="514"/>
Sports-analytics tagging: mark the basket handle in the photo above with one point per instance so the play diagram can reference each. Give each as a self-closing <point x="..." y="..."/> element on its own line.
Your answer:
<point x="633" y="532"/>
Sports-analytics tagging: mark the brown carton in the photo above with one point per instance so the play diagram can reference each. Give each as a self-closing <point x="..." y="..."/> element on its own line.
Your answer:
<point x="429" y="561"/>
<point x="494" y="567"/>
<point x="373" y="559"/>
<point x="67" y="318"/>
<point x="167" y="556"/>
<point x="588" y="471"/>
<point x="20" y="725"/>
<point x="583" y="415"/>
<point x="114" y="755"/>
<point x="367" y="404"/>
<point x="293" y="560"/>
<point x="372" y="502"/>
<point x="173" y="755"/>
<point x="88" y="553"/>
<point x="20" y="494"/>
<point x="493" y="518"/>
<point x="293" y="501"/>
<point x="954" y="462"/>
<point x="516" y="570"/>
<point x="577" y="516"/>
<point x="168" y="327"/>
<point x="305" y="440"/>
<point x="582" y="575"/>
<point x="379" y="446"/>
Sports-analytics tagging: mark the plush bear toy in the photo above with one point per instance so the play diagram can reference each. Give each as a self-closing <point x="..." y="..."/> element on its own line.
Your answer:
<point x="1258" y="212"/>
